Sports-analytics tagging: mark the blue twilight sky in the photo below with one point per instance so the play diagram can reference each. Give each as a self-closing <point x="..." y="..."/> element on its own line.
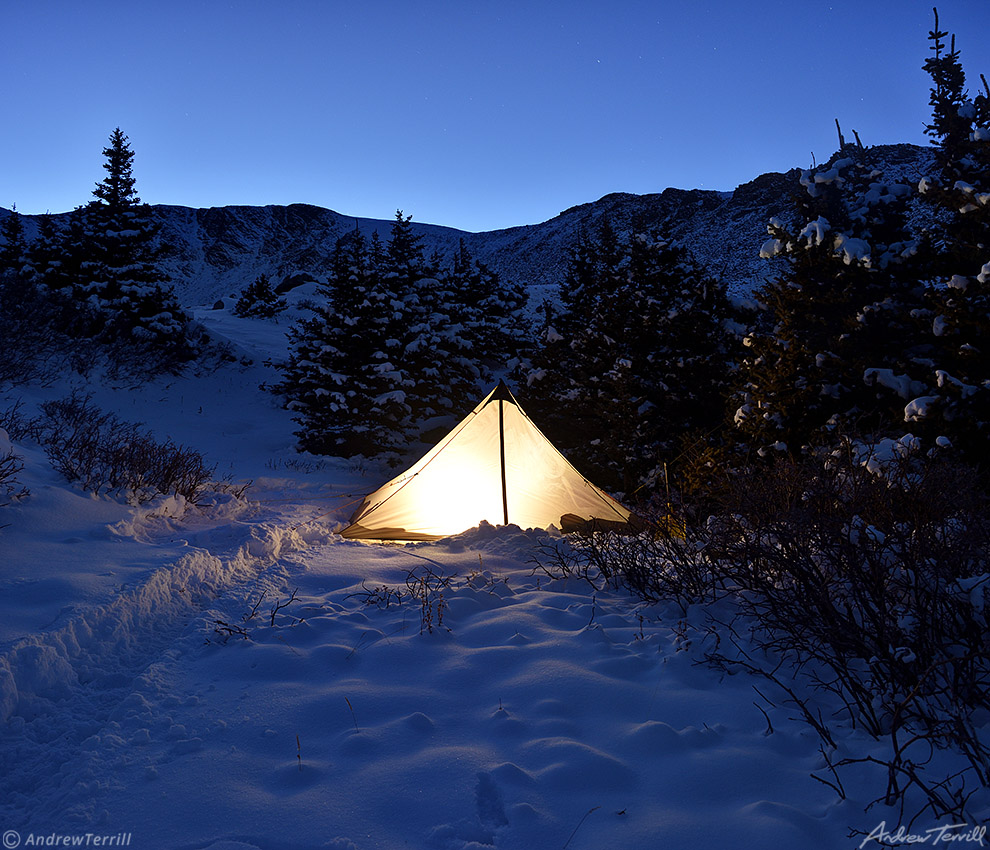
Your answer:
<point x="467" y="113"/>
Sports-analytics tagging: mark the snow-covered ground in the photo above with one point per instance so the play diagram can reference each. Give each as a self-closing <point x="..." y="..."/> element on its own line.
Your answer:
<point x="235" y="675"/>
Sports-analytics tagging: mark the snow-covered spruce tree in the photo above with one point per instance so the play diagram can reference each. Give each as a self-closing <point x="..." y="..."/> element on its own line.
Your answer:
<point x="13" y="285"/>
<point x="435" y="349"/>
<point x="45" y="256"/>
<point x="491" y="312"/>
<point x="840" y="318"/>
<point x="341" y="378"/>
<point x="639" y="357"/>
<point x="13" y="262"/>
<point x="12" y="244"/>
<point x="33" y="318"/>
<point x="120" y="276"/>
<point x="570" y="384"/>
<point x="259" y="299"/>
<point x="395" y="343"/>
<point x="955" y="399"/>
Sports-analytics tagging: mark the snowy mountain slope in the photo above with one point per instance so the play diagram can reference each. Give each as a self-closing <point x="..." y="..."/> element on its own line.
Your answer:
<point x="219" y="251"/>
<point x="724" y="230"/>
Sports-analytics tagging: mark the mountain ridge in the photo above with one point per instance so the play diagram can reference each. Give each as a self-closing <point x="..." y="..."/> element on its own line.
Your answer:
<point x="217" y="251"/>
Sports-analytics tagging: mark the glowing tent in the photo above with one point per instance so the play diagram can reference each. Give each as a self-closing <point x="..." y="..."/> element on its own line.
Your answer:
<point x="494" y="466"/>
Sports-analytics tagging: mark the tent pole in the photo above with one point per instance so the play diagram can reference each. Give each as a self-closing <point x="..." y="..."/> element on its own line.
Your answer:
<point x="501" y="448"/>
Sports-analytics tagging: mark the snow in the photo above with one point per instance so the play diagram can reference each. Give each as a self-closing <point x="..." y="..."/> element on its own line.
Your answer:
<point x="900" y="384"/>
<point x="919" y="408"/>
<point x="878" y="457"/>
<point x="944" y="379"/>
<point x="814" y="231"/>
<point x="771" y="248"/>
<point x="833" y="175"/>
<point x="235" y="675"/>
<point x="852" y="249"/>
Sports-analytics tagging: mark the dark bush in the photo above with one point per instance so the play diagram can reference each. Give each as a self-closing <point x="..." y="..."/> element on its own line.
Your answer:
<point x="107" y="455"/>
<point x="856" y="581"/>
<point x="10" y="488"/>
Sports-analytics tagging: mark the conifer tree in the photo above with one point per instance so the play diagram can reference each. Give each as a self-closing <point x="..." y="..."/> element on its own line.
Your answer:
<point x="492" y="312"/>
<point x="52" y="266"/>
<point x="435" y="346"/>
<point x="637" y="358"/>
<point x="32" y="316"/>
<point x="16" y="317"/>
<point x="955" y="399"/>
<point x="13" y="246"/>
<point x="344" y="378"/>
<point x="259" y="299"/>
<point x="120" y="275"/>
<point x="13" y="271"/>
<point x="45" y="255"/>
<point x="393" y="343"/>
<point x="835" y="348"/>
<point x="570" y="384"/>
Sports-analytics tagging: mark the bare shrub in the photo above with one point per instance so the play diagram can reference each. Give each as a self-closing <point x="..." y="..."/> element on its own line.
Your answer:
<point x="429" y="588"/>
<point x="655" y="565"/>
<point x="858" y="584"/>
<point x="14" y="421"/>
<point x="869" y="580"/>
<point x="10" y="487"/>
<point x="107" y="455"/>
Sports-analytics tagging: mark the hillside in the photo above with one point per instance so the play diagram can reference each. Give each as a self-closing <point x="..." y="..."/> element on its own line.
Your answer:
<point x="218" y="251"/>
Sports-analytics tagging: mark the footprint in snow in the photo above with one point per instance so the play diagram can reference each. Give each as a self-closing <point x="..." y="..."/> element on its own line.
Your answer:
<point x="491" y="809"/>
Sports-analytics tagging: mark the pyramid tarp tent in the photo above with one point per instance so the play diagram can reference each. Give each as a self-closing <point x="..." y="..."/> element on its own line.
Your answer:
<point x="494" y="466"/>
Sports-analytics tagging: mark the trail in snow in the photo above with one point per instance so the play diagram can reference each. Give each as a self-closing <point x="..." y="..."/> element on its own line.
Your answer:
<point x="59" y="688"/>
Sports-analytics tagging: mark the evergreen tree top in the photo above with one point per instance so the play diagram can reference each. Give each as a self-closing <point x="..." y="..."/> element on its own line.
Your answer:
<point x="117" y="190"/>
<point x="12" y="243"/>
<point x="404" y="248"/>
